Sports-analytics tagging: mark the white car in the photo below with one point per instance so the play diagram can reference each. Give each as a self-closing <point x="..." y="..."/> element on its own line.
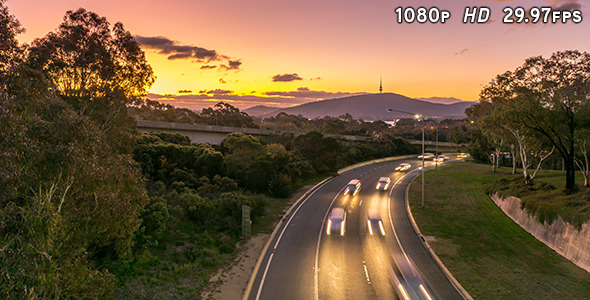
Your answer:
<point x="336" y="221"/>
<point x="403" y="167"/>
<point x="383" y="183"/>
<point x="353" y="187"/>
<point x="374" y="222"/>
<point x="438" y="159"/>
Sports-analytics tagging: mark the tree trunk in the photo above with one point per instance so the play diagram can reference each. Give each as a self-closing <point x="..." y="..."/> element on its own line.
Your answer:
<point x="513" y="155"/>
<point x="570" y="173"/>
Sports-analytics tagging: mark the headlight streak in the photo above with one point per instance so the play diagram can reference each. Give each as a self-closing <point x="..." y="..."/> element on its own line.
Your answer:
<point x="370" y="228"/>
<point x="381" y="228"/>
<point x="329" y="227"/>
<point x="401" y="288"/>
<point x="423" y="290"/>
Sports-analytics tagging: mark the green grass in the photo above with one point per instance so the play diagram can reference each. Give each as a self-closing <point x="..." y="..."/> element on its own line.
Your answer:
<point x="490" y="255"/>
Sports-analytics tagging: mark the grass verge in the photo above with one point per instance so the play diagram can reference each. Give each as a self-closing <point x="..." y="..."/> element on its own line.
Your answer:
<point x="490" y="255"/>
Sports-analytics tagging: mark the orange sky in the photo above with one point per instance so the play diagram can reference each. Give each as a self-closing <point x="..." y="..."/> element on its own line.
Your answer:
<point x="334" y="47"/>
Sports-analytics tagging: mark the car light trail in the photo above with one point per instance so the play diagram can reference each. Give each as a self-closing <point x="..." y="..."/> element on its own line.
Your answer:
<point x="423" y="290"/>
<point x="370" y="228"/>
<point x="381" y="228"/>
<point x="401" y="288"/>
<point x="329" y="227"/>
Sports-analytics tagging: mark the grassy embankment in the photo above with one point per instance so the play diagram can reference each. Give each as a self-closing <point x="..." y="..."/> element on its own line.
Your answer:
<point x="491" y="256"/>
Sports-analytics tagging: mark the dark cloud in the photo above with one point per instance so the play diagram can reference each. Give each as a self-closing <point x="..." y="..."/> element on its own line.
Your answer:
<point x="286" y="77"/>
<point x="304" y="92"/>
<point x="462" y="51"/>
<point x="184" y="92"/>
<point x="216" y="92"/>
<point x="571" y="5"/>
<point x="222" y="81"/>
<point x="207" y="67"/>
<point x="315" y="78"/>
<point x="231" y="65"/>
<point x="174" y="50"/>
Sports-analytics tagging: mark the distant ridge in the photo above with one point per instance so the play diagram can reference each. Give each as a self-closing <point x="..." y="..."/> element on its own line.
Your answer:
<point x="442" y="100"/>
<point x="368" y="107"/>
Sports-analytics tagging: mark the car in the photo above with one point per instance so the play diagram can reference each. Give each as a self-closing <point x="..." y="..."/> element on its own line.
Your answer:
<point x="438" y="159"/>
<point x="426" y="155"/>
<point x="353" y="187"/>
<point x="403" y="167"/>
<point x="383" y="183"/>
<point x="336" y="221"/>
<point x="375" y="223"/>
<point x="463" y="155"/>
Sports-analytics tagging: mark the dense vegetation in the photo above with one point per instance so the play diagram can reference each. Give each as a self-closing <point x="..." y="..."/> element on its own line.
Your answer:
<point x="71" y="195"/>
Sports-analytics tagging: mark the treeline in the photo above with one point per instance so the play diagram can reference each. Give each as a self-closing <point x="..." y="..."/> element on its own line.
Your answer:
<point x="536" y="113"/>
<point x="222" y="114"/>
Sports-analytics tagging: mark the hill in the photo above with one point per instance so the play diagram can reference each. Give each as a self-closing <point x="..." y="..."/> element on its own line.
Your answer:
<point x="441" y="100"/>
<point x="371" y="107"/>
<point x="260" y="110"/>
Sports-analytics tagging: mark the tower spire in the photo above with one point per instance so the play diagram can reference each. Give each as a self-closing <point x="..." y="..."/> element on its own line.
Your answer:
<point x="380" y="84"/>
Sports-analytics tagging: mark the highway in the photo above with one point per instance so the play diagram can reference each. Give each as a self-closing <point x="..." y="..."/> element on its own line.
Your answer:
<point x="303" y="261"/>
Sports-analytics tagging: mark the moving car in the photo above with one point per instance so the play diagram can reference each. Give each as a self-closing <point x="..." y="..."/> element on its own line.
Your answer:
<point x="426" y="155"/>
<point x="462" y="155"/>
<point x="337" y="221"/>
<point x="383" y="183"/>
<point x="353" y="187"/>
<point x="375" y="223"/>
<point x="438" y="159"/>
<point x="403" y="167"/>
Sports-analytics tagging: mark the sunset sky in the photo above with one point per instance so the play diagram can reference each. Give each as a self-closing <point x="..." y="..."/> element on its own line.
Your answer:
<point x="283" y="53"/>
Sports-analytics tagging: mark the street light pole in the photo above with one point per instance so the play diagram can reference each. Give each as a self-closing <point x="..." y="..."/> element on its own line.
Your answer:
<point x="417" y="116"/>
<point x="422" y="161"/>
<point x="436" y="152"/>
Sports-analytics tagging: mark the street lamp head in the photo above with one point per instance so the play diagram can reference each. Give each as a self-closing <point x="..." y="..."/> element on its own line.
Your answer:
<point x="417" y="116"/>
<point x="389" y="110"/>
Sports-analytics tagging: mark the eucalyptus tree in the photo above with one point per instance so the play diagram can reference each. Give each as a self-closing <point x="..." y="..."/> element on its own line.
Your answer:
<point x="97" y="68"/>
<point x="545" y="99"/>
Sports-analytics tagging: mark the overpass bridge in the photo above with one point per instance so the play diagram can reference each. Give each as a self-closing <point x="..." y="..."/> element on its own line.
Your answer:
<point x="214" y="135"/>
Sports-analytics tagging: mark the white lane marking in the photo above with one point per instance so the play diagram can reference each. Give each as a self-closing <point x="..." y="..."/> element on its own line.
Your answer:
<point x="366" y="273"/>
<point x="316" y="290"/>
<point x="264" y="276"/>
<point x="280" y="236"/>
<point x="389" y="211"/>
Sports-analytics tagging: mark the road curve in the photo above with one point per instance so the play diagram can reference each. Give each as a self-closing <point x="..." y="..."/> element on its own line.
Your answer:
<point x="302" y="262"/>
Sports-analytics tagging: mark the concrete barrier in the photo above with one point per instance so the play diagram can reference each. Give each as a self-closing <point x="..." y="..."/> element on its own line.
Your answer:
<point x="560" y="236"/>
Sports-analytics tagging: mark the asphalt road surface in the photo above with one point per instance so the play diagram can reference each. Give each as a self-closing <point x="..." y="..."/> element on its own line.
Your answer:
<point x="304" y="262"/>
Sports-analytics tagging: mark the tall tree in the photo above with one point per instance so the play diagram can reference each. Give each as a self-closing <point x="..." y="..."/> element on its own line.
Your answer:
<point x="97" y="69"/>
<point x="546" y="98"/>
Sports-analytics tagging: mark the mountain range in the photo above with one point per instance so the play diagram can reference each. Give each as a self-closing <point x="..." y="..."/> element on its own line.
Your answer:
<point x="370" y="107"/>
